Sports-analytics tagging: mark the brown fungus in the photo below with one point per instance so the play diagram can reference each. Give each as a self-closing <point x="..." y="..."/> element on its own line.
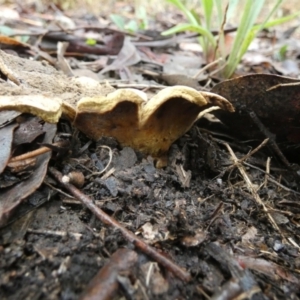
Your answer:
<point x="148" y="126"/>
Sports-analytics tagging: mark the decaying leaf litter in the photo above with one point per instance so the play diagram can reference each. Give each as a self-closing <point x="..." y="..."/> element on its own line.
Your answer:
<point x="220" y="217"/>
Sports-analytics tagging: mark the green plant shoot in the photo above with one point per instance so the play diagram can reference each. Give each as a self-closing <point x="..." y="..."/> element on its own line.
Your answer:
<point x="213" y="16"/>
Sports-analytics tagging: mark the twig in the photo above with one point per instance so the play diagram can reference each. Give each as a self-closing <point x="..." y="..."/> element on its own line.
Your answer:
<point x="221" y="35"/>
<point x="7" y="71"/>
<point x="30" y="154"/>
<point x="76" y="235"/>
<point x="253" y="191"/>
<point x="264" y="142"/>
<point x="271" y="136"/>
<point x="39" y="151"/>
<point x="267" y="175"/>
<point x="271" y="179"/>
<point x="241" y="160"/>
<point x="56" y="189"/>
<point x="105" y="284"/>
<point x="106" y="219"/>
<point x="137" y="86"/>
<point x="215" y="62"/>
<point x="214" y="215"/>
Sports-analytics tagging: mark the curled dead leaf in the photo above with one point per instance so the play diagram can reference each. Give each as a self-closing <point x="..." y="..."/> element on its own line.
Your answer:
<point x="274" y="99"/>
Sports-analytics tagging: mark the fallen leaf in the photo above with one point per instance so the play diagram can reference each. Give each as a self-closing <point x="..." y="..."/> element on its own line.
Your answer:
<point x="249" y="235"/>
<point x="6" y="42"/>
<point x="6" y="138"/>
<point x="28" y="131"/>
<point x="267" y="268"/>
<point x="194" y="240"/>
<point x="274" y="99"/>
<point x="12" y="197"/>
<point x="127" y="56"/>
<point x="8" y="116"/>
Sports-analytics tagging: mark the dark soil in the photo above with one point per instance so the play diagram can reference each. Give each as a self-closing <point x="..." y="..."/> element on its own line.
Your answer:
<point x="209" y="225"/>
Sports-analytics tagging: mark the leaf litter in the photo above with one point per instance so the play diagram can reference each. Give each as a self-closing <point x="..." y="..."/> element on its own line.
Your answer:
<point x="221" y="217"/>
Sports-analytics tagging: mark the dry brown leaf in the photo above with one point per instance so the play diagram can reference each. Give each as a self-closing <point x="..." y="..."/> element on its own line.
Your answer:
<point x="6" y="134"/>
<point x="274" y="99"/>
<point x="12" y="197"/>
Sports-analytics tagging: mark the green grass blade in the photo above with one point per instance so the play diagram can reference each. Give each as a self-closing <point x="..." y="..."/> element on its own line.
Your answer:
<point x="248" y="39"/>
<point x="219" y="8"/>
<point x="275" y="7"/>
<point x="244" y="36"/>
<point x="188" y="27"/>
<point x="208" y="6"/>
<point x="279" y="21"/>
<point x="232" y="8"/>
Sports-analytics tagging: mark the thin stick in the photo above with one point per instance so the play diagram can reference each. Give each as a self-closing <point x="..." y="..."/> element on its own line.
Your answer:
<point x="253" y="191"/>
<point x="215" y="62"/>
<point x="30" y="154"/>
<point x="106" y="219"/>
<point x="272" y="179"/>
<point x="137" y="86"/>
<point x="221" y="35"/>
<point x="241" y="160"/>
<point x="264" y="142"/>
<point x="267" y="175"/>
<point x="35" y="153"/>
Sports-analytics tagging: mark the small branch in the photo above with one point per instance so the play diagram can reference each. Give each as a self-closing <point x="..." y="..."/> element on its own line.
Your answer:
<point x="239" y="161"/>
<point x="106" y="219"/>
<point x="271" y="179"/>
<point x="253" y="191"/>
<point x="55" y="146"/>
<point x="105" y="284"/>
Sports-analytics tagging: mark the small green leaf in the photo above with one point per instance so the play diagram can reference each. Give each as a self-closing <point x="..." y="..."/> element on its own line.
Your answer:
<point x="91" y="42"/>
<point x="118" y="20"/>
<point x="132" y="26"/>
<point x="5" y="30"/>
<point x="282" y="52"/>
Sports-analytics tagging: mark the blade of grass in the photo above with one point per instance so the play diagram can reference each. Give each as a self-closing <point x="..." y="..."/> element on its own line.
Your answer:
<point x="249" y="38"/>
<point x="279" y="21"/>
<point x="207" y="12"/>
<point x="232" y="8"/>
<point x="253" y="31"/>
<point x="244" y="36"/>
<point x="218" y="5"/>
<point x="185" y="27"/>
<point x="208" y="6"/>
<point x="275" y="7"/>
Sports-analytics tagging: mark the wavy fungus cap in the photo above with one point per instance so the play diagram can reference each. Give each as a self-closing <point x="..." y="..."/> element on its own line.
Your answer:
<point x="148" y="126"/>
